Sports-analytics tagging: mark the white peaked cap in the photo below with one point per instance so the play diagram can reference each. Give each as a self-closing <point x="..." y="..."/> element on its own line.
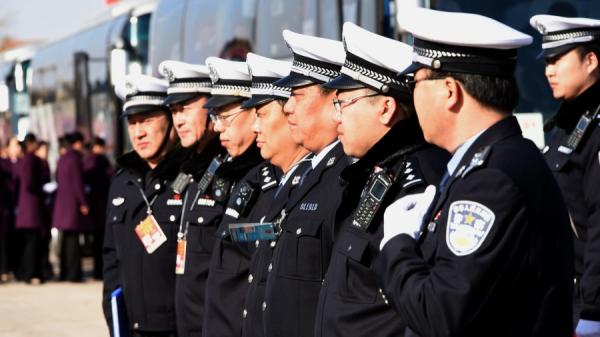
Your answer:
<point x="561" y="34"/>
<point x="261" y="66"/>
<point x="141" y="93"/>
<point x="461" y="42"/>
<point x="231" y="82"/>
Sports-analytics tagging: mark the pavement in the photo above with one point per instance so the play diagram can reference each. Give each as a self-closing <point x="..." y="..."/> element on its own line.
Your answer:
<point x="52" y="309"/>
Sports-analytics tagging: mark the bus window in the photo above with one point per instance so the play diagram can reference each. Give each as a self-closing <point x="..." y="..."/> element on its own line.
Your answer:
<point x="273" y="16"/>
<point x="136" y="36"/>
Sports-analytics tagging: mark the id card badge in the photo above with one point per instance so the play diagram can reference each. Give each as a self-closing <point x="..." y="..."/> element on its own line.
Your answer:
<point x="250" y="232"/>
<point x="150" y="234"/>
<point x="180" y="259"/>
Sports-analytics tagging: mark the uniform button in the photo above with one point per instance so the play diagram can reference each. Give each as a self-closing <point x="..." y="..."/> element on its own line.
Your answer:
<point x="224" y="233"/>
<point x="431" y="227"/>
<point x="136" y="325"/>
<point x="556" y="165"/>
<point x="270" y="267"/>
<point x="114" y="218"/>
<point x="256" y="243"/>
<point x="250" y="277"/>
<point x="380" y="291"/>
<point x="298" y="231"/>
<point x="139" y="180"/>
<point x="272" y="244"/>
<point x="245" y="313"/>
<point x="386" y="302"/>
<point x="191" y="180"/>
<point x="157" y="187"/>
<point x="172" y="217"/>
<point x="200" y="220"/>
<point x="349" y="247"/>
<point x="264" y="306"/>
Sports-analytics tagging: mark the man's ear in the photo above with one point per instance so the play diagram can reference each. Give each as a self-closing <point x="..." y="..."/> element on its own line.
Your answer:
<point x="388" y="112"/>
<point x="453" y="93"/>
<point x="591" y="62"/>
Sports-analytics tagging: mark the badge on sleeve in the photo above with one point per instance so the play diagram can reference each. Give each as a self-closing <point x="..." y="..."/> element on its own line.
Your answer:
<point x="469" y="223"/>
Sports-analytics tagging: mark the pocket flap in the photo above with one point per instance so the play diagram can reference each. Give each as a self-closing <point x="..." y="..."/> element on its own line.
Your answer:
<point x="351" y="245"/>
<point x="303" y="227"/>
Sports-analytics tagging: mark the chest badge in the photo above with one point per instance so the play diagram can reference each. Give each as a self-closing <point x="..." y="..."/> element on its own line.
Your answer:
<point x="331" y="161"/>
<point x="118" y="201"/>
<point x="469" y="223"/>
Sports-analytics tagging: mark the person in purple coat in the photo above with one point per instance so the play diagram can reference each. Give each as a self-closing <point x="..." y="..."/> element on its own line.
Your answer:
<point x="71" y="209"/>
<point x="9" y="251"/>
<point x="6" y="207"/>
<point x="30" y="212"/>
<point x="98" y="172"/>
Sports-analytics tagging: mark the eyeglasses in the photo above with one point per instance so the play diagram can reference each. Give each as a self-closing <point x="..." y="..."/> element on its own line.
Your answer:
<point x="337" y="103"/>
<point x="225" y="120"/>
<point x="412" y="82"/>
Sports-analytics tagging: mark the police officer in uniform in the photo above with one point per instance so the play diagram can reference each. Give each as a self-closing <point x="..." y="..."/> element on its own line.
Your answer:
<point x="306" y="225"/>
<point x="377" y="126"/>
<point x="246" y="179"/>
<point x="490" y="254"/>
<point x="278" y="147"/>
<point x="571" y="48"/>
<point x="189" y="89"/>
<point x="142" y="219"/>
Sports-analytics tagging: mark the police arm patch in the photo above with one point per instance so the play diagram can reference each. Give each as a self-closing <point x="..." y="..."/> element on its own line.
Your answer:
<point x="469" y="223"/>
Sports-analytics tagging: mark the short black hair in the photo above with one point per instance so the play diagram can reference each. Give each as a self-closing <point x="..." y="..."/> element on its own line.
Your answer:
<point x="30" y="138"/>
<point x="98" y="141"/>
<point x="74" y="137"/>
<point x="501" y="93"/>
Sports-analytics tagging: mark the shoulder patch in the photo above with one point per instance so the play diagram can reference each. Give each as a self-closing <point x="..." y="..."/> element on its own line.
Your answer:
<point x="469" y="223"/>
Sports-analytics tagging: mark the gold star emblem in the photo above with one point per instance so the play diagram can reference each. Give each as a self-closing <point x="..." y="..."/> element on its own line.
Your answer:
<point x="470" y="218"/>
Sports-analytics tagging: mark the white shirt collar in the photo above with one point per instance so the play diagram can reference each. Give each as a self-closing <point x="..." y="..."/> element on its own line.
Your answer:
<point x="460" y="153"/>
<point x="318" y="157"/>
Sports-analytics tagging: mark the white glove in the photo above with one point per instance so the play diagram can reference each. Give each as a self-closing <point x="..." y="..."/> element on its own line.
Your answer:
<point x="405" y="215"/>
<point x="587" y="328"/>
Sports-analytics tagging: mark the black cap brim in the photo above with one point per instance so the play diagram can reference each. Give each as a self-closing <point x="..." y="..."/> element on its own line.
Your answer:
<point x="412" y="68"/>
<point x="141" y="109"/>
<point x="181" y="98"/>
<point x="344" y="82"/>
<point x="295" y="80"/>
<point x="218" y="101"/>
<point x="257" y="101"/>
<point x="557" y="51"/>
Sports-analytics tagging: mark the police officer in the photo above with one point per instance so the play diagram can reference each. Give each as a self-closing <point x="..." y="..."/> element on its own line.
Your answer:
<point x="189" y="89"/>
<point x="278" y="147"/>
<point x="247" y="179"/>
<point x="304" y="245"/>
<point x="142" y="219"/>
<point x="378" y="127"/>
<point x="493" y="257"/>
<point x="571" y="49"/>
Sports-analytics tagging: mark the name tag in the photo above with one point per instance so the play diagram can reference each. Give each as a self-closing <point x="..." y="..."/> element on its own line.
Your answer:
<point x="206" y="202"/>
<point x="174" y="202"/>
<point x="309" y="206"/>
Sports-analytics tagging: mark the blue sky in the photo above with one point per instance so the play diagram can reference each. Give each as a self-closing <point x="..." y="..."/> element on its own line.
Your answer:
<point x="46" y="19"/>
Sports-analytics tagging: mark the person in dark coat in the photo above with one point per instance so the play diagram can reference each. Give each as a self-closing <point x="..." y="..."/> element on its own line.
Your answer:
<point x="238" y="185"/>
<point x="278" y="148"/>
<point x="7" y="208"/>
<point x="11" y="251"/>
<point x="573" y="153"/>
<point x="46" y="267"/>
<point x="307" y="225"/>
<point x="189" y="89"/>
<point x="71" y="209"/>
<point x="377" y="126"/>
<point x="488" y="251"/>
<point x="142" y="218"/>
<point x="98" y="172"/>
<point x="31" y="212"/>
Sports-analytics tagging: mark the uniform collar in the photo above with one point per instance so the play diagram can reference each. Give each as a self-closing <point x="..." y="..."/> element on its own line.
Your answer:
<point x="319" y="156"/>
<point x="570" y="111"/>
<point x="197" y="162"/>
<point x="167" y="168"/>
<point x="236" y="168"/>
<point x="404" y="134"/>
<point x="460" y="152"/>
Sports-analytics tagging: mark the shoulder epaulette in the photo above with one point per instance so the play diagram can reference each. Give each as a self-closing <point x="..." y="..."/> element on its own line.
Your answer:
<point x="478" y="160"/>
<point x="408" y="173"/>
<point x="267" y="178"/>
